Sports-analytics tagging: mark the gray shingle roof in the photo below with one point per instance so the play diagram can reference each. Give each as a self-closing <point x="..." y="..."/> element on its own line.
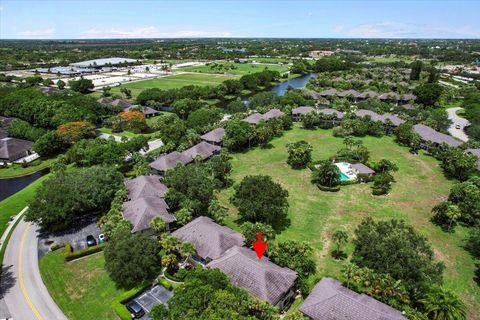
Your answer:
<point x="143" y="210"/>
<point x="429" y="134"/>
<point x="347" y="93"/>
<point x="408" y="106"/>
<point x="329" y="300"/>
<point x="202" y="149"/>
<point x="389" y="96"/>
<point x="302" y="110"/>
<point x="120" y="102"/>
<point x="361" y="168"/>
<point x="262" y="278"/>
<point x="145" y="186"/>
<point x="145" y="110"/>
<point x="211" y="240"/>
<point x="169" y="161"/>
<point x="368" y="94"/>
<point x="408" y="97"/>
<point x="104" y="101"/>
<point x="12" y="149"/>
<point x="396" y="121"/>
<point x="273" y="113"/>
<point x="332" y="111"/>
<point x="329" y="92"/>
<point x="216" y="135"/>
<point x="254" y="118"/>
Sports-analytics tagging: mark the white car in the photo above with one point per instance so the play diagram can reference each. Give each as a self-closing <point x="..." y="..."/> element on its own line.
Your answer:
<point x="101" y="238"/>
<point x="457" y="126"/>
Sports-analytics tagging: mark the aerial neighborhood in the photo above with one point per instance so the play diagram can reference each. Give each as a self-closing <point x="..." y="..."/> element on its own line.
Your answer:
<point x="290" y="174"/>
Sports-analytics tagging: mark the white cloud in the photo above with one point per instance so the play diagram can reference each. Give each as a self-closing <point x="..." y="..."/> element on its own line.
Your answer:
<point x="392" y="29"/>
<point x="149" y="32"/>
<point x="1" y="8"/>
<point x="37" y="34"/>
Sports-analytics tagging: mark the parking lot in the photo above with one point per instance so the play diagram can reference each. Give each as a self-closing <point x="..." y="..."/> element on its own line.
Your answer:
<point x="149" y="298"/>
<point x="77" y="237"/>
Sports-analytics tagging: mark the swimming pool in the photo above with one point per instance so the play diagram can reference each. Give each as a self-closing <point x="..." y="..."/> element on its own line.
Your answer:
<point x="343" y="177"/>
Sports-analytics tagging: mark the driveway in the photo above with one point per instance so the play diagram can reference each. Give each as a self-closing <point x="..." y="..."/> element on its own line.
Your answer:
<point x="76" y="237"/>
<point x="152" y="297"/>
<point x="456" y="120"/>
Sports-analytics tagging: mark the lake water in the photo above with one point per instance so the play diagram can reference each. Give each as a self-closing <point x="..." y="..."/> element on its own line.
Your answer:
<point x="13" y="185"/>
<point x="296" y="83"/>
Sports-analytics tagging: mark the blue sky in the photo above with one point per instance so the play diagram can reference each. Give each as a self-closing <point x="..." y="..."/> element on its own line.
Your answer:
<point x="67" y="19"/>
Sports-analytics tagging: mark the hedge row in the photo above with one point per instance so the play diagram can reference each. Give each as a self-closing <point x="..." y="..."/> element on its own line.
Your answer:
<point x="329" y="189"/>
<point x="166" y="284"/>
<point x="379" y="191"/>
<point x="72" y="255"/>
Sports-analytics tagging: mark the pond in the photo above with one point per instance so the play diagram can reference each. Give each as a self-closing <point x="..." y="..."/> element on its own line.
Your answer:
<point x="296" y="83"/>
<point x="12" y="185"/>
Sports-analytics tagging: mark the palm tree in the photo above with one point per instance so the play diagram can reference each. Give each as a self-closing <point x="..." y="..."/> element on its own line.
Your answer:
<point x="169" y="243"/>
<point x="158" y="225"/>
<point x="187" y="250"/>
<point x="443" y="304"/>
<point x="349" y="271"/>
<point x="340" y="237"/>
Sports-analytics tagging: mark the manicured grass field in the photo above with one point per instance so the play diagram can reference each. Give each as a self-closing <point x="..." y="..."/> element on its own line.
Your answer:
<point x="127" y="134"/>
<point x="175" y="81"/>
<point x="82" y="288"/>
<point x="16" y="170"/>
<point x="240" y="68"/>
<point x="314" y="215"/>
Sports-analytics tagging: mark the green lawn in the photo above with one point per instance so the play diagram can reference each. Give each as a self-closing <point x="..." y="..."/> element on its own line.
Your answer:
<point x="175" y="81"/>
<point x="314" y="215"/>
<point x="16" y="202"/>
<point x="240" y="68"/>
<point x="82" y="288"/>
<point x="127" y="134"/>
<point x="16" y="170"/>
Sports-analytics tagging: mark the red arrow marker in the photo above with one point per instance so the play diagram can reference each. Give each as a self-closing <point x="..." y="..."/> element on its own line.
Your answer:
<point x="259" y="246"/>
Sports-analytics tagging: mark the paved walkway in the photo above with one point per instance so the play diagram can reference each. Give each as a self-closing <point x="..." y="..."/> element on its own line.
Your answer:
<point x="22" y="287"/>
<point x="456" y="120"/>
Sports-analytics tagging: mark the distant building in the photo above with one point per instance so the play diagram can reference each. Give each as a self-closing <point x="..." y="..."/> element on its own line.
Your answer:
<point x="98" y="63"/>
<point x="298" y="113"/>
<point x="436" y="138"/>
<point x="329" y="300"/>
<point x="320" y="53"/>
<point x="214" y="137"/>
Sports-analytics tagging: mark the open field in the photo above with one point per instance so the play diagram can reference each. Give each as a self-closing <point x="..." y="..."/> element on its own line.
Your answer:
<point x="82" y="288"/>
<point x="175" y="81"/>
<point x="314" y="215"/>
<point x="240" y="68"/>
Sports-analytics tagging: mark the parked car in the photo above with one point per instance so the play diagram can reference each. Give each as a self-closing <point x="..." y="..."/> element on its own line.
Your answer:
<point x="91" y="241"/>
<point x="101" y="238"/>
<point x="135" y="309"/>
<point x="457" y="126"/>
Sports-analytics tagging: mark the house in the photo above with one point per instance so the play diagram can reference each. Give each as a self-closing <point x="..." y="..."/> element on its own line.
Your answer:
<point x="390" y="96"/>
<point x="360" y="168"/>
<point x="329" y="300"/>
<point x="145" y="186"/>
<point x="328" y="93"/>
<point x="348" y="94"/>
<point x="428" y="134"/>
<point x="12" y="149"/>
<point x="147" y="111"/>
<point x="475" y="152"/>
<point x="120" y="103"/>
<point x="262" y="278"/>
<point x="367" y="94"/>
<point x="331" y="115"/>
<point x="104" y="101"/>
<point x="203" y="149"/>
<point x="142" y="211"/>
<point x="211" y="240"/>
<point x="273" y="113"/>
<point x="169" y="161"/>
<point x="298" y="113"/>
<point x="215" y="136"/>
<point x="254" y="118"/>
<point x="406" y="98"/>
<point x="408" y="107"/>
<point x="389" y="121"/>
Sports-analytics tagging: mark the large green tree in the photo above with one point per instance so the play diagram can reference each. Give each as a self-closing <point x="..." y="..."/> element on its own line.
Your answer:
<point x="394" y="247"/>
<point x="299" y="154"/>
<point x="260" y="199"/>
<point x="131" y="259"/>
<point x="326" y="174"/>
<point x="66" y="197"/>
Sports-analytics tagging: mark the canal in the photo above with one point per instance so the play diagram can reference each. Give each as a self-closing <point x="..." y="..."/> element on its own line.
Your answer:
<point x="12" y="185"/>
<point x="295" y="83"/>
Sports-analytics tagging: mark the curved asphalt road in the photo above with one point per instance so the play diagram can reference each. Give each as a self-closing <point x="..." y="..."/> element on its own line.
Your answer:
<point x="456" y="120"/>
<point x="23" y="290"/>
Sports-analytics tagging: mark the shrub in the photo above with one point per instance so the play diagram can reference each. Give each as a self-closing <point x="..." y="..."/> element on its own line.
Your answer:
<point x="166" y="284"/>
<point x="73" y="255"/>
<point x="329" y="189"/>
<point x="379" y="191"/>
<point x="118" y="304"/>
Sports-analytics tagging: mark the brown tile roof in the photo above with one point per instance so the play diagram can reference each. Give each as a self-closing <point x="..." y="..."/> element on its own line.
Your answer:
<point x="329" y="300"/>
<point x="120" y="102"/>
<point x="216" y="135"/>
<point x="145" y="186"/>
<point x="145" y="110"/>
<point x="361" y="168"/>
<point x="339" y="114"/>
<point x="12" y="149"/>
<point x="262" y="278"/>
<point x="203" y="149"/>
<point x="429" y="134"/>
<point x="143" y="210"/>
<point x="211" y="240"/>
<point x="169" y="161"/>
<point x="273" y="113"/>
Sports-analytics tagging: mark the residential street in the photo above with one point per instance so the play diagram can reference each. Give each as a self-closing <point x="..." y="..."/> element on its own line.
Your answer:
<point x="457" y="133"/>
<point x="22" y="287"/>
